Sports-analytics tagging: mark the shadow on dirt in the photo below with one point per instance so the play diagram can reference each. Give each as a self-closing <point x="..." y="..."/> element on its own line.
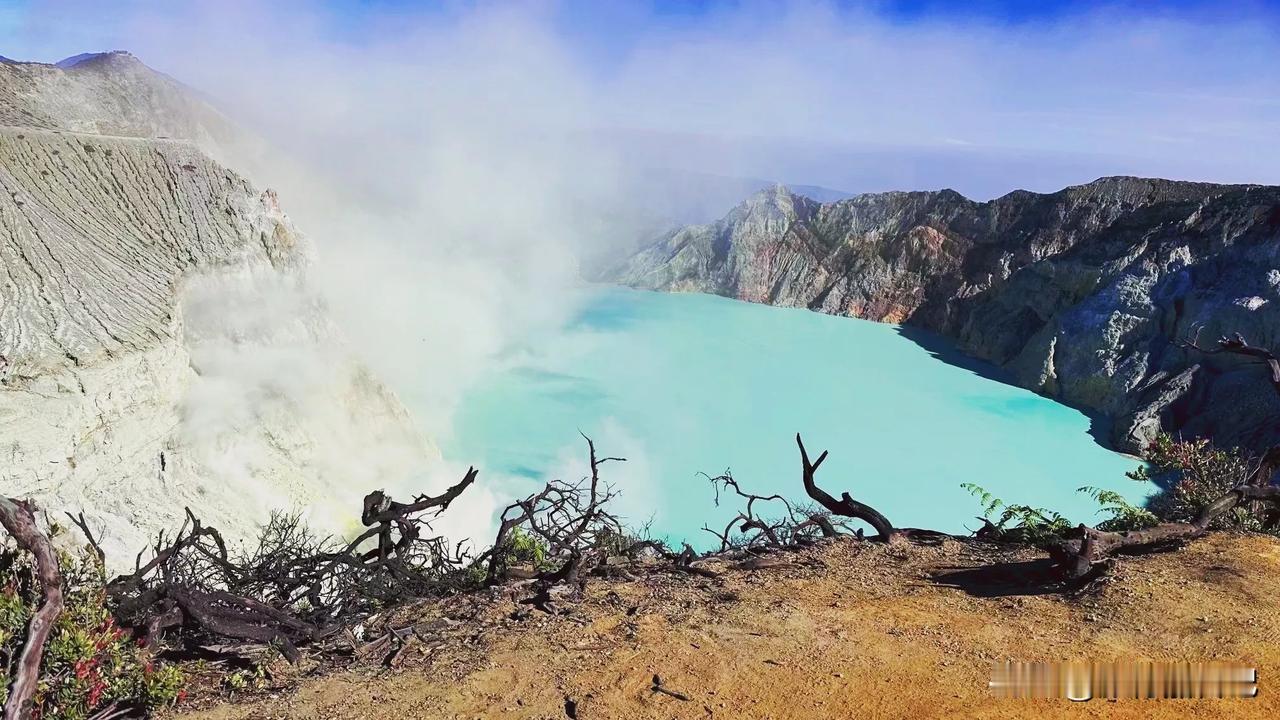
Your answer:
<point x="1029" y="577"/>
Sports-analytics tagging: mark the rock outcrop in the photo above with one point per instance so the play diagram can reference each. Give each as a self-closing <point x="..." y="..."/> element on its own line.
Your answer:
<point x="1082" y="295"/>
<point x="110" y="93"/>
<point x="159" y="343"/>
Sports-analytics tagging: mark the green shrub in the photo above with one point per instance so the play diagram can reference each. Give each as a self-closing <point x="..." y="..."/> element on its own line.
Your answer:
<point x="1201" y="474"/>
<point x="520" y="547"/>
<point x="246" y="679"/>
<point x="524" y="548"/>
<point x="89" y="662"/>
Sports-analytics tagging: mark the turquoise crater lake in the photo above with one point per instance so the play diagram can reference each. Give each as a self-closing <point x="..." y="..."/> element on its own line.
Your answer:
<point x="682" y="384"/>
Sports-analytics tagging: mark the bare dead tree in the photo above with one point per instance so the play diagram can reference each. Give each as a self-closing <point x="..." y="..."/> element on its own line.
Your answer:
<point x="846" y="506"/>
<point x="19" y="520"/>
<point x="794" y="527"/>
<point x="293" y="587"/>
<point x="185" y="584"/>
<point x="80" y="522"/>
<point x="498" y="557"/>
<point x="571" y="520"/>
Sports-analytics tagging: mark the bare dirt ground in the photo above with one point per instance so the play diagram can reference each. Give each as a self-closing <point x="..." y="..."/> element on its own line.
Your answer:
<point x="843" y="630"/>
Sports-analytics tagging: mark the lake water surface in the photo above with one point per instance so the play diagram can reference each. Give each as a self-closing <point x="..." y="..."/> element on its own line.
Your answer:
<point x="682" y="384"/>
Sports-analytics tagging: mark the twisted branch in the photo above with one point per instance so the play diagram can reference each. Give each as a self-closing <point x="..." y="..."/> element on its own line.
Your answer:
<point x="18" y="519"/>
<point x="1077" y="555"/>
<point x="1237" y="345"/>
<point x="846" y="506"/>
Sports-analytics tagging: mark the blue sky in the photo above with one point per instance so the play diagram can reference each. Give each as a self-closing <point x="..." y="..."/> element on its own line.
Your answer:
<point x="43" y="28"/>
<point x="982" y="96"/>
<point x="1012" y="11"/>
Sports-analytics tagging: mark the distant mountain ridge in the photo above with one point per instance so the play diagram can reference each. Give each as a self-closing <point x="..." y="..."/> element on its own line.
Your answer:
<point x="111" y="93"/>
<point x="654" y="200"/>
<point x="1081" y="294"/>
<point x="70" y="62"/>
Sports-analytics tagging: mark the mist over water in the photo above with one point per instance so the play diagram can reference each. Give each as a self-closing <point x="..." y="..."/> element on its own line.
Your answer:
<point x="682" y="384"/>
<point x="455" y="164"/>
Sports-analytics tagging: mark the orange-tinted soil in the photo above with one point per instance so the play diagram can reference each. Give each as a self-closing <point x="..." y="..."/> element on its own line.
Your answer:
<point x="844" y="630"/>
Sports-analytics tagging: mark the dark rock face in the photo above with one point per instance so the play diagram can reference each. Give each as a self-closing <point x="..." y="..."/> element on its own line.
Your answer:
<point x="1081" y="294"/>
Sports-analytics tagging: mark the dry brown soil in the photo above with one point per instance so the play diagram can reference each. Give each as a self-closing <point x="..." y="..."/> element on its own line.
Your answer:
<point x="843" y="630"/>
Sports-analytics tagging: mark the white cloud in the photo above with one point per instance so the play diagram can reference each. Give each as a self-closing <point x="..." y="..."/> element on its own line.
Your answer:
<point x="450" y="163"/>
<point x="728" y="91"/>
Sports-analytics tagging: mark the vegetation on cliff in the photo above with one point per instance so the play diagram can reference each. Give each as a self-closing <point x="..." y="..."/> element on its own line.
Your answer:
<point x="91" y="666"/>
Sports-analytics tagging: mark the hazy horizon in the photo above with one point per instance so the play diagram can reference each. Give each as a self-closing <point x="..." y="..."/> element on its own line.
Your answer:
<point x="453" y="163"/>
<point x="853" y="96"/>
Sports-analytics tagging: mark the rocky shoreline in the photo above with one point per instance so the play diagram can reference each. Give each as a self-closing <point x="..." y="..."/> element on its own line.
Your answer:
<point x="1087" y="295"/>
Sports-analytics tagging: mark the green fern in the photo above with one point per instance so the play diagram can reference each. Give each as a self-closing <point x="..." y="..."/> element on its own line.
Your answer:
<point x="1019" y="523"/>
<point x="1124" y="515"/>
<point x="990" y="503"/>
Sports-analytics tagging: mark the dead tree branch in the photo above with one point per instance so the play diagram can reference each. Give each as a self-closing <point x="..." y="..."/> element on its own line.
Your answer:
<point x="83" y="524"/>
<point x="19" y="520"/>
<point x="846" y="506"/>
<point x="1076" y="556"/>
<point x="1237" y="345"/>
<point x="293" y="587"/>
<point x="568" y="524"/>
<point x="795" y="527"/>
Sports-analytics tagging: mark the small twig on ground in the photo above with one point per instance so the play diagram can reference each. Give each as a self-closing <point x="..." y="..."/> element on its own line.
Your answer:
<point x="659" y="688"/>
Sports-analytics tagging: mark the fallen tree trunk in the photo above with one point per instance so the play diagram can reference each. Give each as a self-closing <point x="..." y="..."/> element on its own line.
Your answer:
<point x="18" y="519"/>
<point x="240" y="618"/>
<point x="1077" y="555"/>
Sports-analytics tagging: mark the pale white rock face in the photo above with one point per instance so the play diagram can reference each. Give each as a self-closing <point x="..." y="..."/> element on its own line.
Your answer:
<point x="111" y="93"/>
<point x="160" y="347"/>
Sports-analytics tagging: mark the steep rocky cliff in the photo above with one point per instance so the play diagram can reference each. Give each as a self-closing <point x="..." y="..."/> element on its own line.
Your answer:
<point x="159" y="343"/>
<point x="1081" y="294"/>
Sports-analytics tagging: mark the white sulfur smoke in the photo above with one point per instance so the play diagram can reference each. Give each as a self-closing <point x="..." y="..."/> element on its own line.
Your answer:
<point x="453" y="163"/>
